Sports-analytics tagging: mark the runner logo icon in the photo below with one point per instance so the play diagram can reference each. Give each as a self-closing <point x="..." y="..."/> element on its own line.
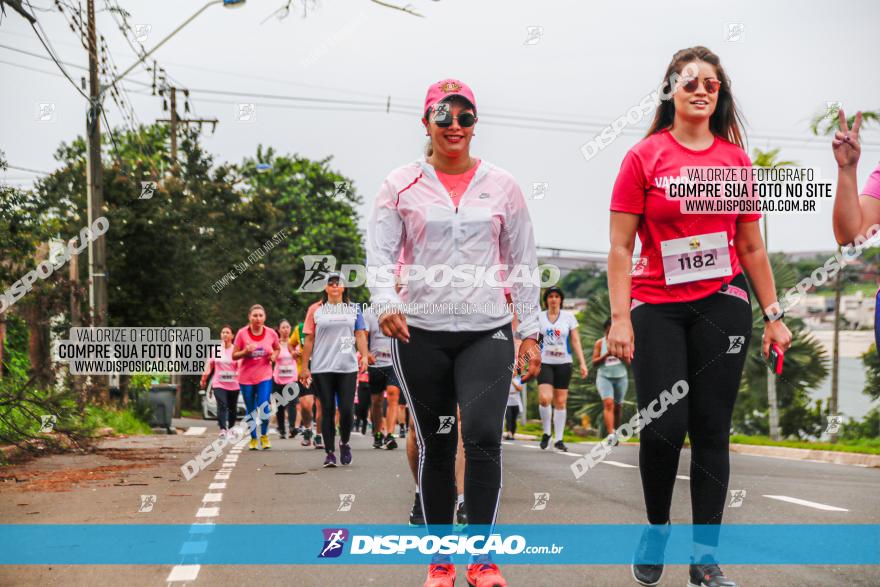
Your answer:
<point x="334" y="540"/>
<point x="317" y="268"/>
<point x="541" y="500"/>
<point x="346" y="500"/>
<point x="446" y="424"/>
<point x="737" y="496"/>
<point x="736" y="344"/>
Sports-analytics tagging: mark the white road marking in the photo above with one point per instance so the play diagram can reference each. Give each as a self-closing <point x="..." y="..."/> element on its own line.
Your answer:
<point x="194" y="547"/>
<point x="230" y="459"/>
<point x="195" y="431"/>
<point x="568" y="454"/>
<point x="208" y="512"/>
<point x="683" y="477"/>
<point x="222" y="475"/>
<point x="809" y="504"/>
<point x="202" y="528"/>
<point x="212" y="497"/>
<point x="183" y="573"/>
<point x="217" y="486"/>
<point x="619" y="464"/>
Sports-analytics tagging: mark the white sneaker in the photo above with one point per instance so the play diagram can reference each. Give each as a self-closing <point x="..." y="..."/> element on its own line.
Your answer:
<point x="222" y="433"/>
<point x="613" y="440"/>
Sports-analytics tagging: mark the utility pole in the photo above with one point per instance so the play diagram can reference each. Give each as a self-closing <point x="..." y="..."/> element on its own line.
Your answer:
<point x="835" y="352"/>
<point x="772" y="401"/>
<point x="176" y="121"/>
<point x="95" y="194"/>
<point x="174" y="126"/>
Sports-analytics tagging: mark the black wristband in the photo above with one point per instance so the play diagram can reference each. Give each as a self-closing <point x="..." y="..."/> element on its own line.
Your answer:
<point x="779" y="317"/>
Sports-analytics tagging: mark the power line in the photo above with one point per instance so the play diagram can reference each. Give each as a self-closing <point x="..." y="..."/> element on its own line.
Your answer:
<point x="55" y="58"/>
<point x="29" y="170"/>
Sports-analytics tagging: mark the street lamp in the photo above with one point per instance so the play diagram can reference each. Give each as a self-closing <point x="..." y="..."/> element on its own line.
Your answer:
<point x="95" y="195"/>
<point x="226" y="4"/>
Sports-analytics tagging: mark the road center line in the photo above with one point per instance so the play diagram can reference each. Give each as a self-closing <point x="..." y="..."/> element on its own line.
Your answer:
<point x="809" y="504"/>
<point x="619" y="464"/>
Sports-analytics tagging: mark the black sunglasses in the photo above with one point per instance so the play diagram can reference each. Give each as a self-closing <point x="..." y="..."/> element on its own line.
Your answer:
<point x="442" y="117"/>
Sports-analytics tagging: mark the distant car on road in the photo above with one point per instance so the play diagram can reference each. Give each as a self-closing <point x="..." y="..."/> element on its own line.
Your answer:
<point x="209" y="404"/>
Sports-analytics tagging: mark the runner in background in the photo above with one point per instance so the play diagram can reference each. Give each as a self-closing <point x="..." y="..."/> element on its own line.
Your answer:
<point x="560" y="336"/>
<point x="362" y="400"/>
<point x="612" y="382"/>
<point x="854" y="216"/>
<point x="684" y="318"/>
<point x="334" y="328"/>
<point x="452" y="206"/>
<point x="224" y="383"/>
<point x="309" y="405"/>
<point x="256" y="346"/>
<point x="285" y="372"/>
<point x="383" y="383"/>
<point x="514" y="405"/>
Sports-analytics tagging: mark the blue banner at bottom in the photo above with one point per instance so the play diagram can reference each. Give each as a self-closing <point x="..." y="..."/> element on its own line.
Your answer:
<point x="304" y="544"/>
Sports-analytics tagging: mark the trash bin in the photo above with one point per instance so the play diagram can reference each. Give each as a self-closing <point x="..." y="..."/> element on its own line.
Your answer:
<point x="162" y="404"/>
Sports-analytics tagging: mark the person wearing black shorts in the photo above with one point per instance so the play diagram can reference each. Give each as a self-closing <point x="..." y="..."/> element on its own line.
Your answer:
<point x="559" y="340"/>
<point x="383" y="384"/>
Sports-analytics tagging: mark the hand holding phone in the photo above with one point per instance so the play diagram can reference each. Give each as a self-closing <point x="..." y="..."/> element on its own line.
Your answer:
<point x="776" y="358"/>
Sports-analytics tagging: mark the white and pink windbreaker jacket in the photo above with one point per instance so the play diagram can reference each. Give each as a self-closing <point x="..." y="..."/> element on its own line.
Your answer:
<point x="491" y="226"/>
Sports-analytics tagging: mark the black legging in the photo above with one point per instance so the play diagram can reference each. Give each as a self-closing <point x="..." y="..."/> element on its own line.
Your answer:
<point x="436" y="371"/>
<point x="227" y="407"/>
<point x="690" y="341"/>
<point x="285" y="413"/>
<point x="362" y="408"/>
<point x="510" y="416"/>
<point x="331" y="387"/>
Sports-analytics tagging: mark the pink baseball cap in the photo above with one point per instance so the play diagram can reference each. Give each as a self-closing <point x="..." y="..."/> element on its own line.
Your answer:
<point x="446" y="88"/>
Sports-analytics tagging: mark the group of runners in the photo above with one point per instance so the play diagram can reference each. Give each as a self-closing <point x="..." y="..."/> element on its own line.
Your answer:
<point x="460" y="374"/>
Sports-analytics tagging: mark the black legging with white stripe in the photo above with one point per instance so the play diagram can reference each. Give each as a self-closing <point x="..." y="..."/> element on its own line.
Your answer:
<point x="437" y="371"/>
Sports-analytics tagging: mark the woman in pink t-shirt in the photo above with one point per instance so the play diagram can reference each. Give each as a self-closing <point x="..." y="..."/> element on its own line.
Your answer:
<point x="684" y="316"/>
<point x="856" y="219"/>
<point x="224" y="383"/>
<point x="285" y="373"/>
<point x="257" y="346"/>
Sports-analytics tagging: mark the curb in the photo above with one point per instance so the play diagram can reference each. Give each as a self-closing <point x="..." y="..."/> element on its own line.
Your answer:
<point x="806" y="454"/>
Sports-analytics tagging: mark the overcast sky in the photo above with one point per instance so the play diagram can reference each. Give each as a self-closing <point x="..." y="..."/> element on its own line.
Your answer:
<point x="588" y="64"/>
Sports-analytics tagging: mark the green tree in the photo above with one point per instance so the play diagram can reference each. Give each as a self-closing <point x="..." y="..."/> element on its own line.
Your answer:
<point x="583" y="398"/>
<point x="871" y="361"/>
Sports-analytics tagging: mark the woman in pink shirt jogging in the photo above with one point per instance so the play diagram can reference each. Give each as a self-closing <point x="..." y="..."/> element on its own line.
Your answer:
<point x="453" y="342"/>
<point x="257" y="346"/>
<point x="285" y="372"/>
<point x="856" y="219"/>
<point x="224" y="382"/>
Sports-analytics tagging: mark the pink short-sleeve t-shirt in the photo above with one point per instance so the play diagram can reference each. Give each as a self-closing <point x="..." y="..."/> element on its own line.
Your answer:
<point x="225" y="370"/>
<point x="872" y="186"/>
<point x="256" y="367"/>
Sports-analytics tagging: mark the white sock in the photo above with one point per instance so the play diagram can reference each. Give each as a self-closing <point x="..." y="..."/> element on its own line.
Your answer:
<point x="546" y="412"/>
<point x="559" y="422"/>
<point x="460" y="498"/>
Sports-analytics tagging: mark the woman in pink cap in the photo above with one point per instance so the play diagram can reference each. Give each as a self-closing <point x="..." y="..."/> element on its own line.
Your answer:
<point x="856" y="218"/>
<point x="452" y="344"/>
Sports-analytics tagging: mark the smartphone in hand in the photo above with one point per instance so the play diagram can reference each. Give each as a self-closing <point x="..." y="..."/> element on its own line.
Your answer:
<point x="776" y="358"/>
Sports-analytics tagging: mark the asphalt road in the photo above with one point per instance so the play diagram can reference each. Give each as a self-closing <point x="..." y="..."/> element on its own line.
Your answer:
<point x="287" y="485"/>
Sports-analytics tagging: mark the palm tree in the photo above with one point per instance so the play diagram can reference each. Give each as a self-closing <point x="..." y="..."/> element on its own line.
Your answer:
<point x="583" y="399"/>
<point x="804" y="369"/>
<point x="825" y="123"/>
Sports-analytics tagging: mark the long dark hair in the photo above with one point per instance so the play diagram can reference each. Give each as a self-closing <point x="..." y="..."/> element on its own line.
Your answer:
<point x="725" y="122"/>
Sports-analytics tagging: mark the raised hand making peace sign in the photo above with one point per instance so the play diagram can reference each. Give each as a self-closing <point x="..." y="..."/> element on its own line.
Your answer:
<point x="846" y="140"/>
